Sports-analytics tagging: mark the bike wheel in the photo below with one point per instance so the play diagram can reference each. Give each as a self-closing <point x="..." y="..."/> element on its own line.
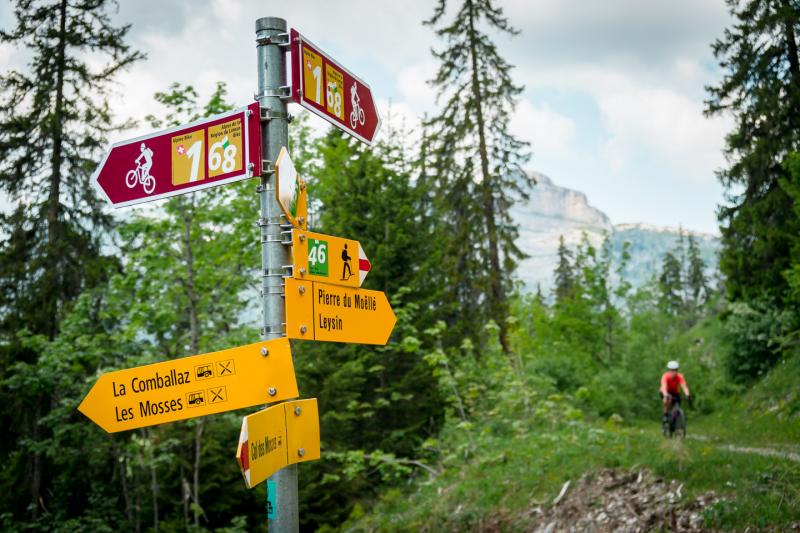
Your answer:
<point x="149" y="184"/>
<point x="680" y="423"/>
<point x="131" y="179"/>
<point x="361" y="117"/>
<point x="353" y="119"/>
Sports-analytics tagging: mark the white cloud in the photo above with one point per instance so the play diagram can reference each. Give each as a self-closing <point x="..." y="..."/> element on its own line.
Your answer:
<point x="659" y="124"/>
<point x="547" y="131"/>
<point x="650" y="118"/>
<point x="413" y="87"/>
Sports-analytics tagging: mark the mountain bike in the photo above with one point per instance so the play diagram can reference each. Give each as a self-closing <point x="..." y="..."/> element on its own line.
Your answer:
<point x="675" y="422"/>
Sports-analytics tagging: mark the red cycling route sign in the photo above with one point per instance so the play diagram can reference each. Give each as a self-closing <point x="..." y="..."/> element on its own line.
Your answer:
<point x="329" y="90"/>
<point x="206" y="153"/>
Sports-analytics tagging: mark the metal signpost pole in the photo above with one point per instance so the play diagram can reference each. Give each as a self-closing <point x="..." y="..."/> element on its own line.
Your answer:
<point x="272" y="41"/>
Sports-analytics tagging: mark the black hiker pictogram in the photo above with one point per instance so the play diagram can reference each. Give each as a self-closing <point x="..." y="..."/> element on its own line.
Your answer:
<point x="346" y="260"/>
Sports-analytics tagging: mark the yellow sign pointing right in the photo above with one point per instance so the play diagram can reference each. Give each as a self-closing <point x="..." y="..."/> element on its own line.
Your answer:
<point x="325" y="312"/>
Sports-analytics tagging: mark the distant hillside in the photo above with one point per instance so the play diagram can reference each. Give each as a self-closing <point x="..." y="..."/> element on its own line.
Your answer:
<point x="648" y="244"/>
<point x="553" y="211"/>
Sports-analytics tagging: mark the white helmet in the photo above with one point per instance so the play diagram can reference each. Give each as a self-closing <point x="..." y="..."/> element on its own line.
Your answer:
<point x="672" y="365"/>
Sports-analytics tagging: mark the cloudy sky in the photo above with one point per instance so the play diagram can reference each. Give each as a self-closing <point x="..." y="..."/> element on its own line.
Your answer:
<point x="613" y="90"/>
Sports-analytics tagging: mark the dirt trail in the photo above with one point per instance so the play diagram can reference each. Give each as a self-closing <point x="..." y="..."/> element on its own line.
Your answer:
<point x="772" y="451"/>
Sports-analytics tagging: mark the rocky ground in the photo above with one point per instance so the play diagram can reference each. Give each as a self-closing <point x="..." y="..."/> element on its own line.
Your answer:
<point x="622" y="501"/>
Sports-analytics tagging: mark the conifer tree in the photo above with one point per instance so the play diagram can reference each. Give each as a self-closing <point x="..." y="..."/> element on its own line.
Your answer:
<point x="477" y="161"/>
<point x="761" y="88"/>
<point x="696" y="279"/>
<point x="671" y="284"/>
<point x="368" y="194"/>
<point x="564" y="275"/>
<point x="53" y="124"/>
<point x="54" y="121"/>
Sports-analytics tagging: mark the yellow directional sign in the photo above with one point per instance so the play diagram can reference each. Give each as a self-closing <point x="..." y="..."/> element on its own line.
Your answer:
<point x="324" y="312"/>
<point x="192" y="386"/>
<point x="328" y="259"/>
<point x="290" y="191"/>
<point x="278" y="436"/>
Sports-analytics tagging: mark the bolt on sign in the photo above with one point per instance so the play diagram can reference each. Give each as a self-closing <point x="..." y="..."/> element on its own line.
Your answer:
<point x="329" y="90"/>
<point x="192" y="386"/>
<point x="206" y="153"/>
<point x="278" y="436"/>
<point x="325" y="312"/>
<point x="329" y="259"/>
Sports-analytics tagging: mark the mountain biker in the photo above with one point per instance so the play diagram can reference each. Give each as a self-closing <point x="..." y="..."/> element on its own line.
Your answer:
<point x="147" y="155"/>
<point x="671" y="383"/>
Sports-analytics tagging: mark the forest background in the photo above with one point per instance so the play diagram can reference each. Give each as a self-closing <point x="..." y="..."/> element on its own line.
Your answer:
<point x="471" y="357"/>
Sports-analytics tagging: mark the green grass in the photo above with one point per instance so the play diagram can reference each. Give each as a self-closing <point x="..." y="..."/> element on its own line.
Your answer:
<point x="766" y="415"/>
<point x="508" y="474"/>
<point x="500" y="467"/>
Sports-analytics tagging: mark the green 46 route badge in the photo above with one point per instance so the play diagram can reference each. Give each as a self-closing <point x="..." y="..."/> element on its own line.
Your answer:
<point x="318" y="257"/>
<point x="329" y="259"/>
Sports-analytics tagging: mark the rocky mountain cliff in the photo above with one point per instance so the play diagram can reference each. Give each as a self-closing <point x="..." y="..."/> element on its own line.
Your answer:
<point x="553" y="211"/>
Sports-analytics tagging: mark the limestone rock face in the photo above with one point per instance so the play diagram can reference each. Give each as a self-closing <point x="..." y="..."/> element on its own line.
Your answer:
<point x="553" y="202"/>
<point x="553" y="211"/>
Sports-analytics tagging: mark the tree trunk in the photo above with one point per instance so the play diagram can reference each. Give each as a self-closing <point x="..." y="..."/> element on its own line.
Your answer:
<point x="56" y="157"/>
<point x="154" y="491"/>
<point x="53" y="206"/>
<point x="194" y="340"/>
<point x="791" y="45"/>
<point x="609" y="335"/>
<point x="137" y="516"/>
<point x="496" y="294"/>
<point x="198" y="434"/>
<point x="794" y="64"/>
<point x="124" y="482"/>
<point x="145" y="433"/>
<point x="185" y="495"/>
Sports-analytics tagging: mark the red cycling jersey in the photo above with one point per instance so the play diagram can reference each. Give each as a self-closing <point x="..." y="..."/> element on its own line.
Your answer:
<point x="670" y="384"/>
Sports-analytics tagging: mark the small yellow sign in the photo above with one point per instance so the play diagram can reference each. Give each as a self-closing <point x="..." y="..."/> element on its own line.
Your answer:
<point x="328" y="259"/>
<point x="325" y="312"/>
<point x="312" y="76"/>
<point x="188" y="157"/>
<point x="334" y="91"/>
<point x="225" y="148"/>
<point x="290" y="191"/>
<point x="278" y="436"/>
<point x="192" y="386"/>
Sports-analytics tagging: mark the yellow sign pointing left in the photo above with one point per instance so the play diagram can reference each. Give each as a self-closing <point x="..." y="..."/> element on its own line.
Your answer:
<point x="192" y="386"/>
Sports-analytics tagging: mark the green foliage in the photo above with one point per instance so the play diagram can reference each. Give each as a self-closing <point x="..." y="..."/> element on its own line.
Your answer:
<point x="755" y="330"/>
<point x="493" y="467"/>
<point x="54" y="119"/>
<point x="378" y="405"/>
